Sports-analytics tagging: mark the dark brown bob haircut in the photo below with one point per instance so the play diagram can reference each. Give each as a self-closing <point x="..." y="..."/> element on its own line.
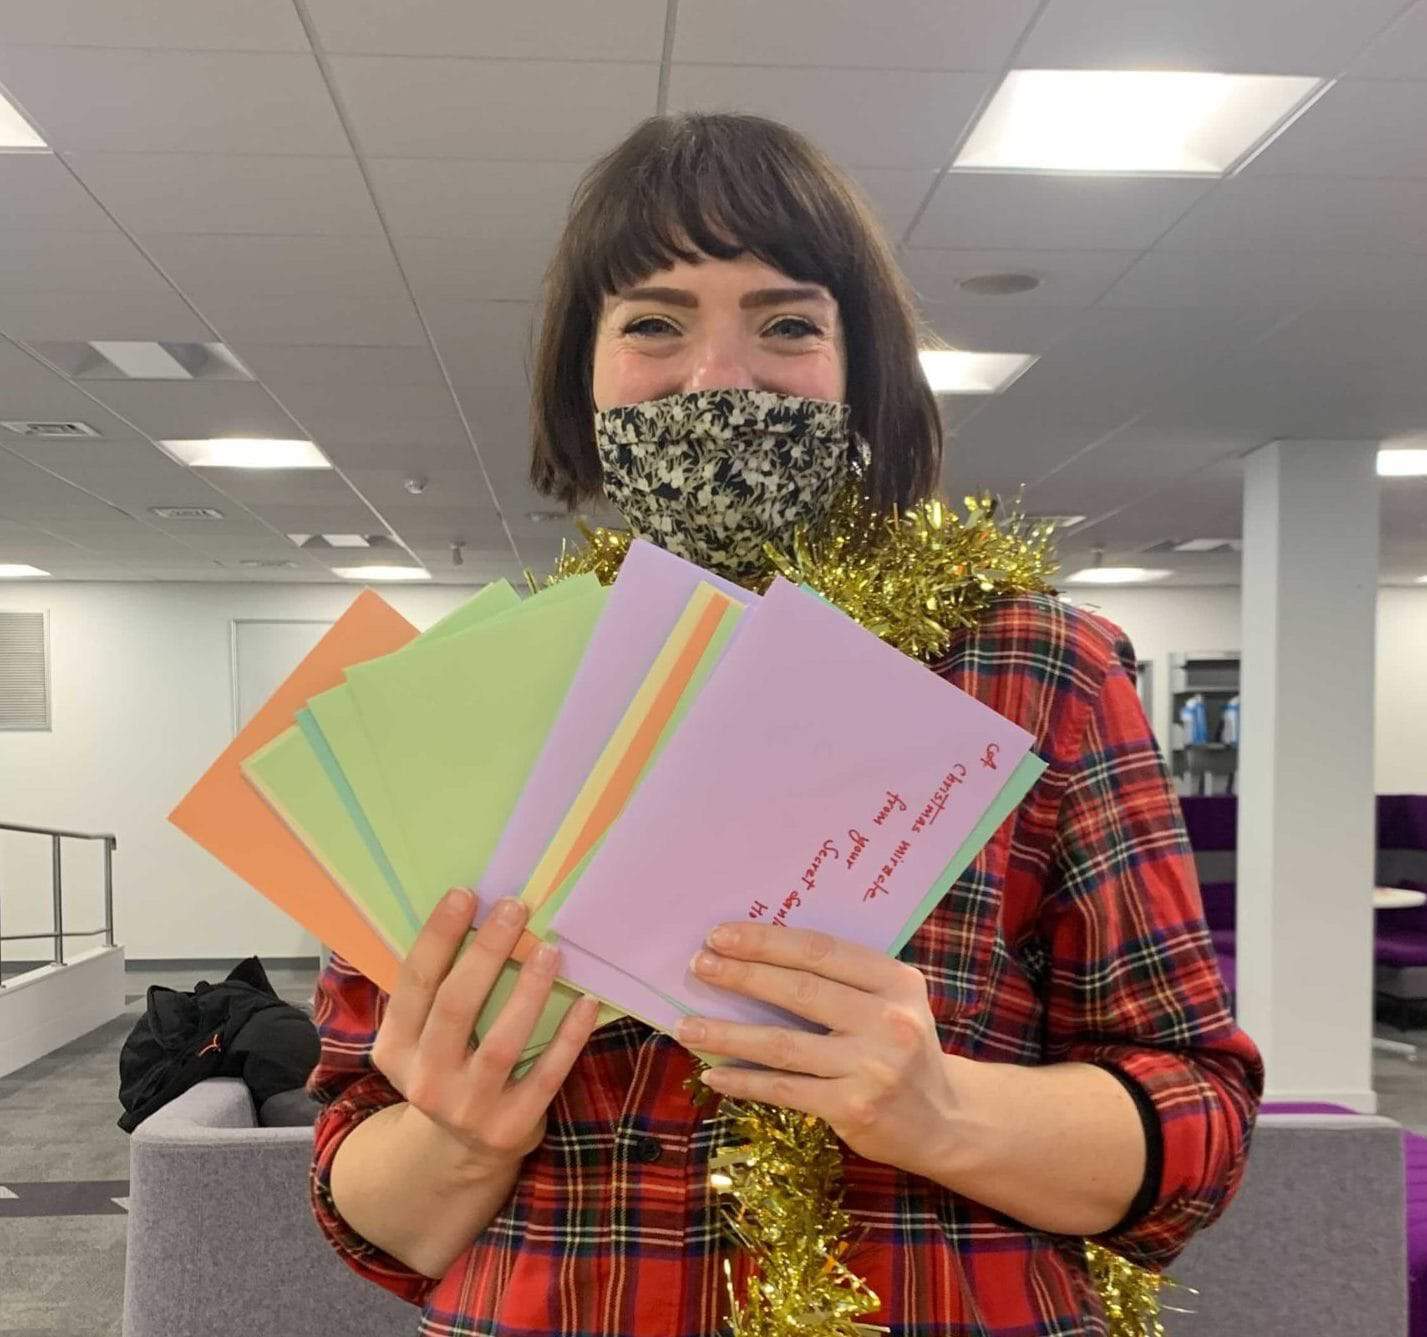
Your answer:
<point x="693" y="185"/>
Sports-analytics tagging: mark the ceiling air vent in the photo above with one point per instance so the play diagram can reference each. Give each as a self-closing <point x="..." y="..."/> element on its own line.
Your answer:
<point x="266" y="563"/>
<point x="185" y="512"/>
<point x="54" y="431"/>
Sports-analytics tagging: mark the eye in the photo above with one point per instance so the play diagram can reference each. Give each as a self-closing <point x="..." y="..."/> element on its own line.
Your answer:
<point x="792" y="327"/>
<point x="648" y="326"/>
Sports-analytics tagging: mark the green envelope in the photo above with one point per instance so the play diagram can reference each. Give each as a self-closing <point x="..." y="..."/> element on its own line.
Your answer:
<point x="333" y="718"/>
<point x="289" y="775"/>
<point x="300" y="777"/>
<point x="456" y="724"/>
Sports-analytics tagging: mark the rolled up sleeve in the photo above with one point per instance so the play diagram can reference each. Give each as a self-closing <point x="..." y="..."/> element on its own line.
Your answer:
<point x="348" y="1009"/>
<point x="1133" y="981"/>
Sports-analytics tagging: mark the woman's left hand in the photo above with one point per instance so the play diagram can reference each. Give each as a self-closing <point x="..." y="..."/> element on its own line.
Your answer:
<point x="878" y="1077"/>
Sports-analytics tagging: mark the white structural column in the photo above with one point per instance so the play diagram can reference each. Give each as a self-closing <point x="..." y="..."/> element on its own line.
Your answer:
<point x="1305" y="844"/>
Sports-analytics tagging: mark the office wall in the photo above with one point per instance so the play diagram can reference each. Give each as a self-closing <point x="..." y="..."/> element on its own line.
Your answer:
<point x="1161" y="621"/>
<point x="143" y="702"/>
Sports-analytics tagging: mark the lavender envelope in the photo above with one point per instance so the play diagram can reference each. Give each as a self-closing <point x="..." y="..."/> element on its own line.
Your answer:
<point x="822" y="779"/>
<point x="648" y="595"/>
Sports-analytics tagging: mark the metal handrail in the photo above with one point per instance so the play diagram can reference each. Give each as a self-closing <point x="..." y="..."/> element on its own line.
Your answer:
<point x="60" y="933"/>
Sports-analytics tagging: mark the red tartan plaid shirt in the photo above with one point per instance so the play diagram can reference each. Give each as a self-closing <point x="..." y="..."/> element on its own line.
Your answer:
<point x="1076" y="935"/>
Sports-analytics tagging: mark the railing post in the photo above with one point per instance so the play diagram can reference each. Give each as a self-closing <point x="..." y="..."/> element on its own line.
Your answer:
<point x="57" y="890"/>
<point x="109" y="892"/>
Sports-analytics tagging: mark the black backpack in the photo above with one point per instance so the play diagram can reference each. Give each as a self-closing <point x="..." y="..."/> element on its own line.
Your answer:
<point x="239" y="1028"/>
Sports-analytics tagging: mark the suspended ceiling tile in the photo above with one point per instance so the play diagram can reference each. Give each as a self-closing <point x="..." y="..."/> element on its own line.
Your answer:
<point x="148" y="101"/>
<point x="40" y="316"/>
<point x="1266" y="37"/>
<point x="544" y="29"/>
<point x="982" y="211"/>
<point x="906" y="34"/>
<point x="210" y="192"/>
<point x="37" y="191"/>
<point x="254" y="25"/>
<point x="448" y="108"/>
<point x="862" y="118"/>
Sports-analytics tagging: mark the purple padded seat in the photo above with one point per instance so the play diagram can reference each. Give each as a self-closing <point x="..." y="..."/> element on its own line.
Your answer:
<point x="1397" y="947"/>
<point x="1224" y="940"/>
<point x="1229" y="970"/>
<point x="1414" y="1168"/>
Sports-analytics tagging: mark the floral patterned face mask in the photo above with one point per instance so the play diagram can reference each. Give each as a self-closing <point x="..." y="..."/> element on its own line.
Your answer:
<point x="713" y="475"/>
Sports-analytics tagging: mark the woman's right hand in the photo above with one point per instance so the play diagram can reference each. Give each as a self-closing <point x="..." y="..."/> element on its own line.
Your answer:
<point x="424" y="1049"/>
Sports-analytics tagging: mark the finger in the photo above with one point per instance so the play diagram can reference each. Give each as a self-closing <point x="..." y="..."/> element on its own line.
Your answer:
<point x="446" y="1037"/>
<point x="772" y="1046"/>
<point x="835" y="1006"/>
<point x="822" y="954"/>
<point x="528" y="1098"/>
<point x="813" y="1095"/>
<point x="424" y="969"/>
<point x="507" y="1036"/>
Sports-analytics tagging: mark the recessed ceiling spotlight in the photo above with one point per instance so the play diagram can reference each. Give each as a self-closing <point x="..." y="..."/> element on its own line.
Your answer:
<point x="1116" y="575"/>
<point x="998" y="285"/>
<point x="951" y="371"/>
<point x="1175" y="122"/>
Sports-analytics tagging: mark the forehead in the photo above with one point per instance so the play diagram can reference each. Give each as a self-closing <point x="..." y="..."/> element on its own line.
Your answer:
<point x="713" y="277"/>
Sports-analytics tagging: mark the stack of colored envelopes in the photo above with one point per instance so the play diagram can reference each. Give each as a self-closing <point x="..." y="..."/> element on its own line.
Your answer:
<point x="637" y="763"/>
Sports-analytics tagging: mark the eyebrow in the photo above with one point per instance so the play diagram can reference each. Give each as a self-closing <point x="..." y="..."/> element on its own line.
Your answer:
<point x="758" y="298"/>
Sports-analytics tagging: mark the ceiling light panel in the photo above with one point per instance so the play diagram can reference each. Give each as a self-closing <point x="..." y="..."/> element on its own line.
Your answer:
<point x="1116" y="575"/>
<point x="382" y="573"/>
<point x="1163" y="122"/>
<point x="247" y="453"/>
<point x="16" y="133"/>
<point x="951" y="371"/>
<point x="19" y="571"/>
<point x="1402" y="463"/>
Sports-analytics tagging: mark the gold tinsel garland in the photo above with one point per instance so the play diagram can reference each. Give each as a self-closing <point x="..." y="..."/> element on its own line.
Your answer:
<point x="914" y="577"/>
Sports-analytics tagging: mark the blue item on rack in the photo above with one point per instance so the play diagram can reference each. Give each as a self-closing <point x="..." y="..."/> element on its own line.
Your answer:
<point x="1229" y="724"/>
<point x="1195" y="720"/>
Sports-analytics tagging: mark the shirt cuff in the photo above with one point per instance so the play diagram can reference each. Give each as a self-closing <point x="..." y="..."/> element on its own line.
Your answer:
<point x="1149" y="1190"/>
<point x="358" y="1103"/>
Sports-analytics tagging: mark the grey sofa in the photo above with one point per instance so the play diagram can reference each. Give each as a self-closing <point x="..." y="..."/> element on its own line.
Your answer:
<point x="222" y="1242"/>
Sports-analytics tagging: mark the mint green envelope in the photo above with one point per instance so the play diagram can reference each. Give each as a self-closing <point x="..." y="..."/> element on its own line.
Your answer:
<point x="288" y="767"/>
<point x="456" y="724"/>
<point x="332" y="716"/>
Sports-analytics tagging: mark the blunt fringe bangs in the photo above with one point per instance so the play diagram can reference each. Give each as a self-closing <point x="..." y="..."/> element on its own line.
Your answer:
<point x="722" y="185"/>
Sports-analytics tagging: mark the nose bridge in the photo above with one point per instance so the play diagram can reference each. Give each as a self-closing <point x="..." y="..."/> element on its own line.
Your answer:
<point x="722" y="359"/>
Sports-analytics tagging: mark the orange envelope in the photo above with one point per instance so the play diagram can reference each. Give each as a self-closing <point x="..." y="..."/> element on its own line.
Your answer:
<point x="225" y="815"/>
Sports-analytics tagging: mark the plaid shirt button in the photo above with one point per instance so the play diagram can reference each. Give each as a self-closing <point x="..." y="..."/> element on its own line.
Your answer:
<point x="648" y="1150"/>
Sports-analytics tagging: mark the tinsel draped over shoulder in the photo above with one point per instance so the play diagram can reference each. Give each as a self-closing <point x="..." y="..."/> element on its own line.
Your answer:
<point x="914" y="577"/>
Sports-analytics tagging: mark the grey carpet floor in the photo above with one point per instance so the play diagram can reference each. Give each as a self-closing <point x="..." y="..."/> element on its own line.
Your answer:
<point x="67" y="1163"/>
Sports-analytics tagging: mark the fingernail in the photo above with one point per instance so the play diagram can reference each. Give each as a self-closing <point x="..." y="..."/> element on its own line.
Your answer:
<point x="723" y="936"/>
<point x="509" y="911"/>
<point x="705" y="963"/>
<point x="543" y="958"/>
<point x="692" y="1029"/>
<point x="457" y="901"/>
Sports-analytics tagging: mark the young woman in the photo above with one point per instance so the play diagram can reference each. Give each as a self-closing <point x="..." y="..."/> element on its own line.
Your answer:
<point x="727" y="345"/>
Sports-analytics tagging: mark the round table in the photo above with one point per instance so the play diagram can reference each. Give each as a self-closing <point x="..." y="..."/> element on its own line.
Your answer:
<point x="1396" y="898"/>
